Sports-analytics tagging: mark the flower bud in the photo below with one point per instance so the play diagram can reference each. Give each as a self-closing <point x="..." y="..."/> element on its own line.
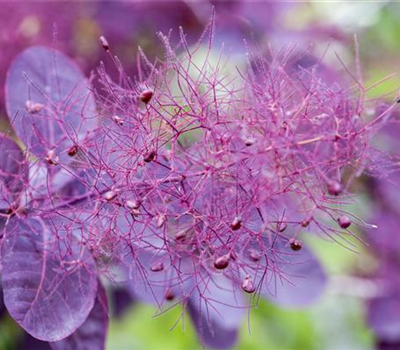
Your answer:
<point x="146" y="95"/>
<point x="157" y="267"/>
<point x="160" y="220"/>
<point x="236" y="223"/>
<point x="169" y="295"/>
<point x="133" y="204"/>
<point x="222" y="262"/>
<point x="282" y="226"/>
<point x="118" y="120"/>
<point x="110" y="195"/>
<point x="180" y="236"/>
<point x="295" y="244"/>
<point x="52" y="157"/>
<point x="249" y="142"/>
<point x="73" y="150"/>
<point x="104" y="43"/>
<point x="149" y="157"/>
<point x="248" y="285"/>
<point x="335" y="188"/>
<point x="344" y="222"/>
<point x="33" y="107"/>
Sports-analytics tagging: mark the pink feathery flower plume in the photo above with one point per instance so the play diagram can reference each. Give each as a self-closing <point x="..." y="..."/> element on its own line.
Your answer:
<point x="189" y="184"/>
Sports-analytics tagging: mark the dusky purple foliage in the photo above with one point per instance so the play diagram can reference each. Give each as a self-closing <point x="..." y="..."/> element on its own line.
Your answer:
<point x="187" y="185"/>
<point x="383" y="308"/>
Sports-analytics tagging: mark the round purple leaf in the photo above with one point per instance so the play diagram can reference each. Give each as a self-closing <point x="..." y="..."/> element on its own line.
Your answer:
<point x="384" y="317"/>
<point x="13" y="171"/>
<point x="49" y="283"/>
<point x="217" y="311"/>
<point x="92" y="334"/>
<point x="299" y="279"/>
<point x="48" y="101"/>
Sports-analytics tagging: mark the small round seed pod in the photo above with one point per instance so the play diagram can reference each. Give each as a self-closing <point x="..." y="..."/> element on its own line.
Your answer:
<point x="335" y="188"/>
<point x="295" y="244"/>
<point x="150" y="156"/>
<point x="110" y="195"/>
<point x="117" y="120"/>
<point x="157" y="267"/>
<point x="169" y="295"/>
<point x="222" y="262"/>
<point x="344" y="222"/>
<point x="236" y="223"/>
<point x="52" y="157"/>
<point x="146" y="95"/>
<point x="305" y="223"/>
<point x="73" y="150"/>
<point x="133" y="204"/>
<point x="248" y="285"/>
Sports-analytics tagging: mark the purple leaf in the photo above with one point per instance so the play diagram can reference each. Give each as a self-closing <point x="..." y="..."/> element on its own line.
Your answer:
<point x="49" y="281"/>
<point x="121" y="301"/>
<point x="48" y="101"/>
<point x="13" y="171"/>
<point x="217" y="311"/>
<point x="299" y="279"/>
<point x="384" y="317"/>
<point x="92" y="334"/>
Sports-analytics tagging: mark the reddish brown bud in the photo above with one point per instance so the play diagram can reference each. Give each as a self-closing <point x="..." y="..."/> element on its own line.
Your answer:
<point x="248" y="285"/>
<point x="51" y="157"/>
<point x="149" y="157"/>
<point x="222" y="262"/>
<point x="104" y="43"/>
<point x="146" y="95"/>
<point x="305" y="223"/>
<point x="118" y="120"/>
<point x="335" y="188"/>
<point x="344" y="221"/>
<point x="295" y="244"/>
<point x="250" y="142"/>
<point x="157" y="267"/>
<point x="180" y="236"/>
<point x="236" y="223"/>
<point x="169" y="295"/>
<point x="73" y="150"/>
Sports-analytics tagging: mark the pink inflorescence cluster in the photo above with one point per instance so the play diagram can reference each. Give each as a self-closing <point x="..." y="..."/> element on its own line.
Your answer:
<point x="187" y="184"/>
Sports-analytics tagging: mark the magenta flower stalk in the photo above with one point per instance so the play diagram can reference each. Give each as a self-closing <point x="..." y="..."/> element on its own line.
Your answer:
<point x="188" y="185"/>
